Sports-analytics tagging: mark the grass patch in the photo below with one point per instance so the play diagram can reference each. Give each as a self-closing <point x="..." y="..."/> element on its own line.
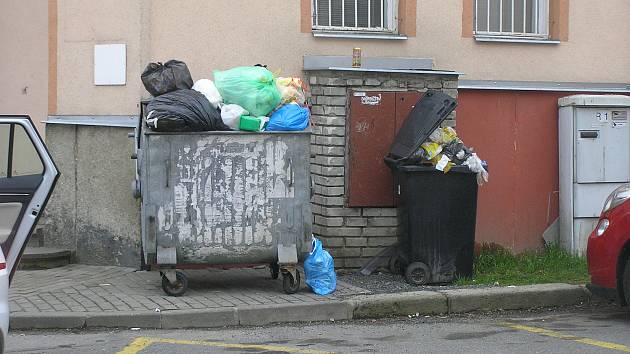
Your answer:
<point x="551" y="265"/>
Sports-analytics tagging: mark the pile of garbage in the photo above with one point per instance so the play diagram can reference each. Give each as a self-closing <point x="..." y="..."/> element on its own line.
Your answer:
<point x="248" y="98"/>
<point x="444" y="149"/>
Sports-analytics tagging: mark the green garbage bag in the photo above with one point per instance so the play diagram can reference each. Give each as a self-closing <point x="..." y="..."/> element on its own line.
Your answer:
<point x="250" y="87"/>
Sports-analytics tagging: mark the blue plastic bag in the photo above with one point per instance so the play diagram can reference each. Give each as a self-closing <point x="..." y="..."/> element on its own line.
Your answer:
<point x="319" y="268"/>
<point x="290" y="117"/>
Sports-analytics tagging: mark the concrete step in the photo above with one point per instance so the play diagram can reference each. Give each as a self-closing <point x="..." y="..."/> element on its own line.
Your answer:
<point x="45" y="258"/>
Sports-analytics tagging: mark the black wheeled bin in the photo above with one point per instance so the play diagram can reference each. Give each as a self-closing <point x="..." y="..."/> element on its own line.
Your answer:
<point x="437" y="210"/>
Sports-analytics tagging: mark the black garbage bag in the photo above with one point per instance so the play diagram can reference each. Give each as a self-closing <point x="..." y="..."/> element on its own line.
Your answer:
<point x="183" y="111"/>
<point x="160" y="78"/>
<point x="457" y="152"/>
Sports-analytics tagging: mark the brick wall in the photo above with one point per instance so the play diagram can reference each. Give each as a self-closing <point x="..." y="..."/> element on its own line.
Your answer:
<point x="352" y="235"/>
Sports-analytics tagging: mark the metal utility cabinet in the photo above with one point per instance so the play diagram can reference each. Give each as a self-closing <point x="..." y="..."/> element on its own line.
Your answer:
<point x="594" y="159"/>
<point x="223" y="199"/>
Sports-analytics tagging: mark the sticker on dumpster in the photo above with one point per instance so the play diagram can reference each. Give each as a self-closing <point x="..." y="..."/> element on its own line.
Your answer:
<point x="359" y="94"/>
<point x="371" y="100"/>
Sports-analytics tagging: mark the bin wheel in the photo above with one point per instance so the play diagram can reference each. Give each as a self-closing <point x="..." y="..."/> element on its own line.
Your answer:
<point x="396" y="265"/>
<point x="274" y="270"/>
<point x="178" y="288"/>
<point x="417" y="273"/>
<point x="290" y="285"/>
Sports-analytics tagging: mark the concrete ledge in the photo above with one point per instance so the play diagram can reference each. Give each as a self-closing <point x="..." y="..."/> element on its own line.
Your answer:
<point x="402" y="304"/>
<point x="316" y="311"/>
<point x="142" y="319"/>
<point x="515" y="298"/>
<point x="200" y="318"/>
<point x="43" y="320"/>
<point x="363" y="306"/>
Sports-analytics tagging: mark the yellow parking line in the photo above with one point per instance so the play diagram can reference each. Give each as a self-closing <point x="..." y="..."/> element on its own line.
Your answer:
<point x="141" y="343"/>
<point x="137" y="345"/>
<point x="583" y="340"/>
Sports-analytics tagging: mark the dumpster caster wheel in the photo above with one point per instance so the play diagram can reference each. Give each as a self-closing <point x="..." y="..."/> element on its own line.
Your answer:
<point x="274" y="269"/>
<point x="178" y="288"/>
<point x="290" y="285"/>
<point x="417" y="273"/>
<point x="396" y="265"/>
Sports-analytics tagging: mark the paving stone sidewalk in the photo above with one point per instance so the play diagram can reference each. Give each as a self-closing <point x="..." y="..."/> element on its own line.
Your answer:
<point x="82" y="288"/>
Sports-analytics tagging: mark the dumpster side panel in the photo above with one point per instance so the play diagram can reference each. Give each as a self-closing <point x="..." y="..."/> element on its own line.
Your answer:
<point x="232" y="198"/>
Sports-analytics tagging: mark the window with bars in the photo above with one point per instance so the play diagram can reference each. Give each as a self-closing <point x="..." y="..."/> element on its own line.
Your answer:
<point x="512" y="18"/>
<point x="355" y="15"/>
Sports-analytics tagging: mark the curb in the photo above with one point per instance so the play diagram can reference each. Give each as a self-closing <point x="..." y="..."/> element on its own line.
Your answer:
<point x="361" y="306"/>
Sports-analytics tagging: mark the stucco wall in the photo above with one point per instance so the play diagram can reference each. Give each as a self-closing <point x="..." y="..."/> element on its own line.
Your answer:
<point x="220" y="34"/>
<point x="82" y="24"/>
<point x="24" y="59"/>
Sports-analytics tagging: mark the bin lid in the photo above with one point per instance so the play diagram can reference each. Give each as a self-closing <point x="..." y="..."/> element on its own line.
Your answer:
<point x="426" y="115"/>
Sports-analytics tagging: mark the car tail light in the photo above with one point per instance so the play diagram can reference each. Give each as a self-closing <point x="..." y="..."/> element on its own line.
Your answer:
<point x="602" y="226"/>
<point x="3" y="265"/>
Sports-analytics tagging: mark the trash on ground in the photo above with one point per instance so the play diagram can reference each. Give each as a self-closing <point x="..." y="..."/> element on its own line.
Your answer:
<point x="160" y="78"/>
<point x="319" y="268"/>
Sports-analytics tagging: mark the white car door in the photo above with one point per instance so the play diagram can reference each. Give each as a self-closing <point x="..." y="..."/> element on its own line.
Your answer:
<point x="27" y="179"/>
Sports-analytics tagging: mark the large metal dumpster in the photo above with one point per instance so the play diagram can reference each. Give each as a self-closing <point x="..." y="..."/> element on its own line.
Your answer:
<point x="223" y="199"/>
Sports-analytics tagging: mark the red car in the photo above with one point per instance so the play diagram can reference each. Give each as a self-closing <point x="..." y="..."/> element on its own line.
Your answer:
<point x="608" y="252"/>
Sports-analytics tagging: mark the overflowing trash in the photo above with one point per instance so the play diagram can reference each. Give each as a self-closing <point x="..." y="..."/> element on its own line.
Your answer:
<point x="183" y="111"/>
<point x="291" y="90"/>
<point x="444" y="149"/>
<point x="432" y="167"/>
<point x="160" y="78"/>
<point x="319" y="268"/>
<point x="251" y="87"/>
<point x="248" y="98"/>
<point x="208" y="89"/>
<point x="289" y="117"/>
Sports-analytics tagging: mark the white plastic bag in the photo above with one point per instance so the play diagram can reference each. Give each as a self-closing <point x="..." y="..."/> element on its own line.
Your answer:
<point x="231" y="115"/>
<point x="207" y="88"/>
<point x="475" y="165"/>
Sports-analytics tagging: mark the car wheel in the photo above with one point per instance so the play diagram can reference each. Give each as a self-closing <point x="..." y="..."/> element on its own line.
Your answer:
<point x="626" y="283"/>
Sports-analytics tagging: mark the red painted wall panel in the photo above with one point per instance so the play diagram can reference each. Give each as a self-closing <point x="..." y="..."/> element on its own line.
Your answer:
<point x="372" y="129"/>
<point x="517" y="133"/>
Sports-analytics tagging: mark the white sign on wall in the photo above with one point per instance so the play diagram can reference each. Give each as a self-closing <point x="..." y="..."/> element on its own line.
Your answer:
<point x="110" y="64"/>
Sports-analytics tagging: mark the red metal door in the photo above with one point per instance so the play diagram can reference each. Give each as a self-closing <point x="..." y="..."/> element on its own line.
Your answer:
<point x="371" y="129"/>
<point x="375" y="118"/>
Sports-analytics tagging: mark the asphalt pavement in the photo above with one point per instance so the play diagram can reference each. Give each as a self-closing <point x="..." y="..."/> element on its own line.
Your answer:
<point x="593" y="328"/>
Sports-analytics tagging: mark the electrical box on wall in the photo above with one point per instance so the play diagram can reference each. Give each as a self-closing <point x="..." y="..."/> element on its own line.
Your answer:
<point x="110" y="64"/>
<point x="594" y="159"/>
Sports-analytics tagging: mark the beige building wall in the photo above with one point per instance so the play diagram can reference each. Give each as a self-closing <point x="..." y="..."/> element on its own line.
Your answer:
<point x="221" y="34"/>
<point x="24" y="58"/>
